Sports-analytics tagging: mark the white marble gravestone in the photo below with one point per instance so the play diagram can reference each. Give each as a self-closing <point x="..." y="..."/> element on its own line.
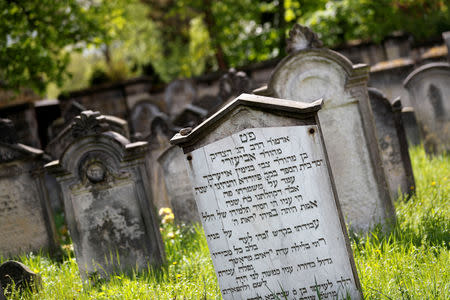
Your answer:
<point x="429" y="90"/>
<point x="26" y="220"/>
<point x="310" y="72"/>
<point x="107" y="201"/>
<point x="267" y="202"/>
<point x="393" y="143"/>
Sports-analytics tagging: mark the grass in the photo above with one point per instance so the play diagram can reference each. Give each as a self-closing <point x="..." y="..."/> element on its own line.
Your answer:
<point x="411" y="261"/>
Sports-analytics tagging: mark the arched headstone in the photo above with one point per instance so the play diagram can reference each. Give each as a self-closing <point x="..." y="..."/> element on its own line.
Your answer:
<point x="107" y="201"/>
<point x="179" y="94"/>
<point x="429" y="90"/>
<point x="347" y="122"/>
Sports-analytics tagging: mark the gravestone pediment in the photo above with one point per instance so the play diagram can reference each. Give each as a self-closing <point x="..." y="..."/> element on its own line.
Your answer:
<point x="244" y="100"/>
<point x="87" y="123"/>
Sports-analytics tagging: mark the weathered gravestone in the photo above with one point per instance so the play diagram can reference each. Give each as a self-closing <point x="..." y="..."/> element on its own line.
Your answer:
<point x="158" y="142"/>
<point x="142" y="115"/>
<point x="178" y="185"/>
<point x="429" y="89"/>
<point x="267" y="202"/>
<point x="393" y="143"/>
<point x="179" y="94"/>
<point x="310" y="72"/>
<point x="107" y="201"/>
<point x="446" y="38"/>
<point x="17" y="274"/>
<point x="411" y="127"/>
<point x="26" y="220"/>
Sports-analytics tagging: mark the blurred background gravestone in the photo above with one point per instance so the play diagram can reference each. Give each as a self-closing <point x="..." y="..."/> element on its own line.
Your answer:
<point x="26" y="219"/>
<point x="429" y="89"/>
<point x="311" y="72"/>
<point x="411" y="126"/>
<point x="178" y="185"/>
<point x="393" y="143"/>
<point x="179" y="94"/>
<point x="158" y="142"/>
<point x="108" y="203"/>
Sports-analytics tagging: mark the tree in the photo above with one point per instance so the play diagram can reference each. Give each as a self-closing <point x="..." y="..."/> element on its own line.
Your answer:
<point x="36" y="38"/>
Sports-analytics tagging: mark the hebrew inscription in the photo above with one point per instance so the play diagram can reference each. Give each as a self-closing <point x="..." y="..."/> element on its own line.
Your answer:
<point x="267" y="206"/>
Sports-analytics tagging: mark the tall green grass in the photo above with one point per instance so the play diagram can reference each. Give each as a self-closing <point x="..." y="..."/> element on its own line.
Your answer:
<point x="411" y="261"/>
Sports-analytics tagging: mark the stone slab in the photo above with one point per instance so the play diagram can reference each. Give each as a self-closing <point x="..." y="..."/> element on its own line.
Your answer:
<point x="393" y="143"/>
<point x="267" y="201"/>
<point x="178" y="185"/>
<point x="267" y="206"/>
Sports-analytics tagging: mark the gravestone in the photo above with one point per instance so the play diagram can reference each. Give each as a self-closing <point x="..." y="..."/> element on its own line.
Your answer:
<point x="411" y="127"/>
<point x="267" y="201"/>
<point x="178" y="94"/>
<point x="233" y="83"/>
<point x="158" y="142"/>
<point x="178" y="185"/>
<point x="17" y="274"/>
<point x="107" y="201"/>
<point x="429" y="90"/>
<point x="26" y="220"/>
<point x="393" y="143"/>
<point x="446" y="38"/>
<point x="142" y="115"/>
<point x="310" y="72"/>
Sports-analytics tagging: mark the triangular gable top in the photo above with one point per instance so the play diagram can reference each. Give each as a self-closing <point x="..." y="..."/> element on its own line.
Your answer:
<point x="268" y="103"/>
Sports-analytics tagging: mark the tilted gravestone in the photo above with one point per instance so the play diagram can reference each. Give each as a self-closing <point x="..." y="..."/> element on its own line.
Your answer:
<point x="158" y="142"/>
<point x="411" y="127"/>
<point x="107" y="201"/>
<point x="429" y="90"/>
<point x="267" y="201"/>
<point x="393" y="143"/>
<point x="26" y="220"/>
<point x="311" y="72"/>
<point x="178" y="185"/>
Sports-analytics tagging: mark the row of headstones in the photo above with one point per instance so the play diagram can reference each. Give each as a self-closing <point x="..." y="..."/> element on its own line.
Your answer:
<point x="242" y="151"/>
<point x="184" y="105"/>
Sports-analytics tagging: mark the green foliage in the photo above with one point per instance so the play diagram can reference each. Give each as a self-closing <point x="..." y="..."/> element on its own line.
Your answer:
<point x="343" y="20"/>
<point x="409" y="262"/>
<point x="35" y="36"/>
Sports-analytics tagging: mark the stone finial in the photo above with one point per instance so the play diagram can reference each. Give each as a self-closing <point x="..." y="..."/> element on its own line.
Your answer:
<point x="87" y="123"/>
<point x="301" y="37"/>
<point x="8" y="133"/>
